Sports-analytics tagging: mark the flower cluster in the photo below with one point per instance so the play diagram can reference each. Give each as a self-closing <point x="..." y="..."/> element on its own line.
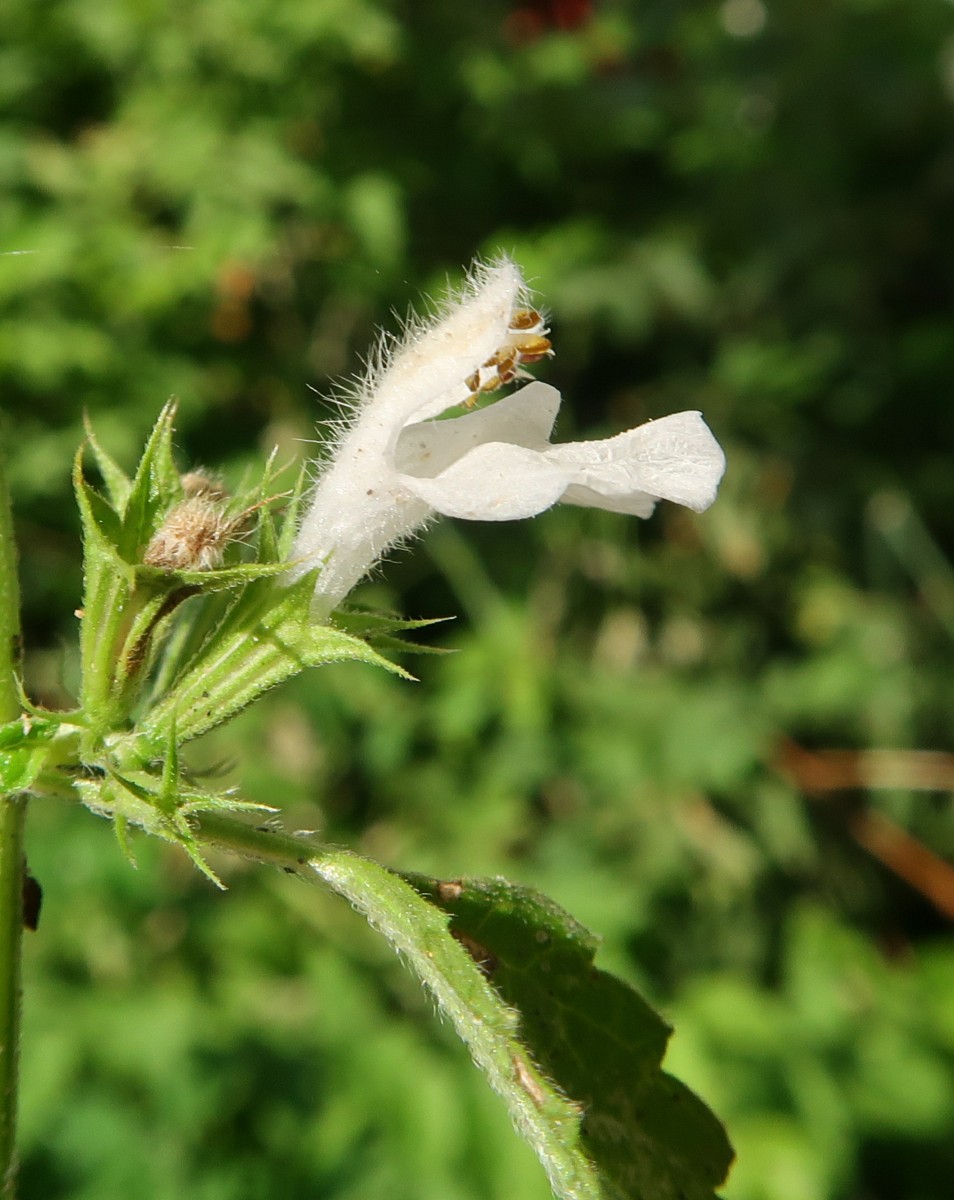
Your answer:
<point x="395" y="464"/>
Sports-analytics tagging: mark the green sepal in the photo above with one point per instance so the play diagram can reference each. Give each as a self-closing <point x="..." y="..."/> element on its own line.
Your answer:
<point x="155" y="488"/>
<point x="118" y="484"/>
<point x="168" y="797"/>
<point x="289" y="528"/>
<point x="108" y="582"/>
<point x="381" y="630"/>
<point x="270" y="542"/>
<point x="121" y="830"/>
<point x="101" y="522"/>
<point x="151" y="610"/>
<point x="127" y="800"/>
<point x="267" y="533"/>
<point x="267" y="635"/>
<point x="214" y="580"/>
<point x="163" y="806"/>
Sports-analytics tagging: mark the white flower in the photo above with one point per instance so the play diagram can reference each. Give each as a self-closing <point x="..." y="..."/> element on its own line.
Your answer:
<point x="395" y="465"/>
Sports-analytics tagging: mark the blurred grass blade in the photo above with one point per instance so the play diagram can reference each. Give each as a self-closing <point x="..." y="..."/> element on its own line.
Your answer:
<point x="895" y="518"/>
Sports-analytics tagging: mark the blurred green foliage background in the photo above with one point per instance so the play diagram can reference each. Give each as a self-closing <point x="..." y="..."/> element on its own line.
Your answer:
<point x="738" y="206"/>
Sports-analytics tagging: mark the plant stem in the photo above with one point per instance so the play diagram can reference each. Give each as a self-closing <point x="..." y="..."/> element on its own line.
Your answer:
<point x="9" y="605"/>
<point x="293" y="852"/>
<point x="12" y="813"/>
<point x="261" y="843"/>
<point x="12" y="818"/>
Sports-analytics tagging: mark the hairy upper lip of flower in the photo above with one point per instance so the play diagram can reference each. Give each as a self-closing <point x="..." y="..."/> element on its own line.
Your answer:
<point x="393" y="466"/>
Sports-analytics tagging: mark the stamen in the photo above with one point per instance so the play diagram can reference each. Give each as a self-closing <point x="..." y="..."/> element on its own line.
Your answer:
<point x="525" y="343"/>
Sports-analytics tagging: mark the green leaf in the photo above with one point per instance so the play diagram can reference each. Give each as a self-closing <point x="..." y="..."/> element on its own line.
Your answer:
<point x="574" y="1052"/>
<point x="418" y="931"/>
<point x="187" y="638"/>
<point x="595" y="1037"/>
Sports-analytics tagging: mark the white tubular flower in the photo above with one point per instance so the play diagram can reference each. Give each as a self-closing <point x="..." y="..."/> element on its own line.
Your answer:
<point x="395" y="465"/>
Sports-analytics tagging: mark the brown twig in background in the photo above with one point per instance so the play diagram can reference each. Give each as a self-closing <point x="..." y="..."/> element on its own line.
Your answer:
<point x="819" y="771"/>
<point x="843" y="770"/>
<point x="908" y="858"/>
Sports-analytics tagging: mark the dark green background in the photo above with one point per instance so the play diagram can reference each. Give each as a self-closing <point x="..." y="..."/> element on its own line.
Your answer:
<point x="743" y="208"/>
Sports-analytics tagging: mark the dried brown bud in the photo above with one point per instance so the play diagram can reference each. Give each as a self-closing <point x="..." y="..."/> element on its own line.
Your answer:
<point x="200" y="483"/>
<point x="192" y="537"/>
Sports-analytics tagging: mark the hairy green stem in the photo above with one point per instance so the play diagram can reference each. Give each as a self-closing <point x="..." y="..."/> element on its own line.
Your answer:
<point x="12" y="813"/>
<point x="261" y="842"/>
<point x="12" y="818"/>
<point x="9" y="605"/>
